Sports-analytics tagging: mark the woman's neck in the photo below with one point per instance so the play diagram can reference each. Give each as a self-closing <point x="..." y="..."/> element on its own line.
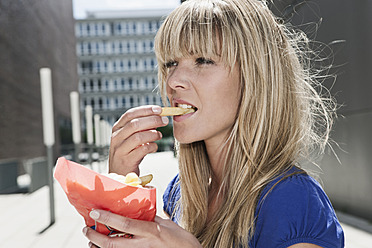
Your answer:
<point x="217" y="157"/>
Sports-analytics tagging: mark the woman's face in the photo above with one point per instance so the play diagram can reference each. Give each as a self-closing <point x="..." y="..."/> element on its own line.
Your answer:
<point x="209" y="87"/>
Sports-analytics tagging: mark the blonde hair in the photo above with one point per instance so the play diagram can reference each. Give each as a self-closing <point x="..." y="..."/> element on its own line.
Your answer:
<point x="281" y="117"/>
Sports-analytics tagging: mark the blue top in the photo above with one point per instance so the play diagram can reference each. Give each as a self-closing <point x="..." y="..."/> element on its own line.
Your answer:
<point x="297" y="210"/>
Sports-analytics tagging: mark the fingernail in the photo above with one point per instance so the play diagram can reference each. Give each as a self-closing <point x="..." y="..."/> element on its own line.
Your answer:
<point x="85" y="230"/>
<point x="160" y="134"/>
<point x="156" y="109"/>
<point x="94" y="215"/>
<point x="164" y="119"/>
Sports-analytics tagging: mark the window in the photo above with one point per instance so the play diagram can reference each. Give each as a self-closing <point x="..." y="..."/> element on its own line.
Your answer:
<point x="98" y="67"/>
<point x="130" y="81"/>
<point x="91" y="85"/>
<point x="114" y="66"/>
<point x="84" y="86"/>
<point x="80" y="29"/>
<point x="103" y="29"/>
<point x="89" y="48"/>
<point x="105" y="66"/>
<point x="120" y="47"/>
<point x="131" y="100"/>
<point x="108" y="103"/>
<point x="107" y="85"/>
<point x="121" y="65"/>
<point x="81" y="48"/>
<point x="96" y="29"/>
<point x="100" y="103"/>
<point x="126" y="28"/>
<point x="152" y="63"/>
<point x="113" y="47"/>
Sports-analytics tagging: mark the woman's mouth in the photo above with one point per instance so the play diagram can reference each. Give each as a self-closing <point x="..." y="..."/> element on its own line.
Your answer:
<point x="180" y="118"/>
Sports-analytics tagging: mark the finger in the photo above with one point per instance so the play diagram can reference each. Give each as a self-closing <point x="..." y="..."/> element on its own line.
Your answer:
<point x="136" y="156"/>
<point x="134" y="113"/>
<point x="123" y="224"/>
<point x="139" y="124"/>
<point x="135" y="140"/>
<point x="91" y="245"/>
<point x="141" y="151"/>
<point x="98" y="240"/>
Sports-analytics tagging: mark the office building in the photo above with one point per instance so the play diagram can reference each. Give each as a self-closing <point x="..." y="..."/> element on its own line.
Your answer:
<point x="116" y="62"/>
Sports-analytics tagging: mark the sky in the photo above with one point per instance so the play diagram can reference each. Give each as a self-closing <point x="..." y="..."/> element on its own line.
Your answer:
<point x="81" y="6"/>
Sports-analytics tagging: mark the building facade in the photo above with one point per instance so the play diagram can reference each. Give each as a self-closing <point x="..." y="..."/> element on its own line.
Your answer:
<point x="116" y="63"/>
<point x="34" y="34"/>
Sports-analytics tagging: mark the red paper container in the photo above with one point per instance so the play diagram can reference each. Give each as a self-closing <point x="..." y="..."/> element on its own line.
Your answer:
<point x="87" y="190"/>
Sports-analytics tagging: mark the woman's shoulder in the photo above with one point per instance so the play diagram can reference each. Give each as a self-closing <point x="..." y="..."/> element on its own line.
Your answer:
<point x="292" y="185"/>
<point x="295" y="209"/>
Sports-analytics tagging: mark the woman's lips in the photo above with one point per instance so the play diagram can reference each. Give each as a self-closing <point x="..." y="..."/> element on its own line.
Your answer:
<point x="179" y="118"/>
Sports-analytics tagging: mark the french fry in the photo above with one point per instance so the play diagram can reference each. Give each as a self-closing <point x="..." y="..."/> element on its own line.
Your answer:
<point x="170" y="111"/>
<point x="146" y="179"/>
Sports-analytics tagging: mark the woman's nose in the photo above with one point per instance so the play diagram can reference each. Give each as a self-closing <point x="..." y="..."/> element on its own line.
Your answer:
<point x="179" y="78"/>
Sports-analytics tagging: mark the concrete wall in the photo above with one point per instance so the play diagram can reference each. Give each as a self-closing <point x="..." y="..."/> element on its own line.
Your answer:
<point x="34" y="34"/>
<point x="349" y="183"/>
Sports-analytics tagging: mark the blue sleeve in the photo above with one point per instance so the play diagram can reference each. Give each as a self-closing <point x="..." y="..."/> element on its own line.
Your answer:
<point x="297" y="210"/>
<point x="170" y="198"/>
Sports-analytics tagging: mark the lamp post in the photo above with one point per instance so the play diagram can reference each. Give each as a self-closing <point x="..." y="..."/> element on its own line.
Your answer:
<point x="48" y="132"/>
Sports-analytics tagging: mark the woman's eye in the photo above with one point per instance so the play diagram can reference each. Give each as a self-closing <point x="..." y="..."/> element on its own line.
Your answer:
<point x="170" y="64"/>
<point x="202" y="61"/>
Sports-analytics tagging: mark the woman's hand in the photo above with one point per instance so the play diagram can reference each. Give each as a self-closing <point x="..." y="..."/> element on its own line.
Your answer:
<point x="161" y="233"/>
<point x="133" y="137"/>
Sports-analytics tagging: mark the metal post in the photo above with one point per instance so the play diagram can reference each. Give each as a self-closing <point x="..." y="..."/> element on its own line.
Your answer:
<point x="48" y="132"/>
<point x="50" y="182"/>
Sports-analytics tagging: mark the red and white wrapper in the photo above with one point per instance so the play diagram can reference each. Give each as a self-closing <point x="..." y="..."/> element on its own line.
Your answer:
<point x="87" y="190"/>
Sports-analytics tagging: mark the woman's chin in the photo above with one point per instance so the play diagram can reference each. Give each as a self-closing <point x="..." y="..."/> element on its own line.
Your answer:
<point x="184" y="139"/>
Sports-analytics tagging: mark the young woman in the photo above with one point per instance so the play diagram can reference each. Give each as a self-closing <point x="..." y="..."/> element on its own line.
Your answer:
<point x="257" y="114"/>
